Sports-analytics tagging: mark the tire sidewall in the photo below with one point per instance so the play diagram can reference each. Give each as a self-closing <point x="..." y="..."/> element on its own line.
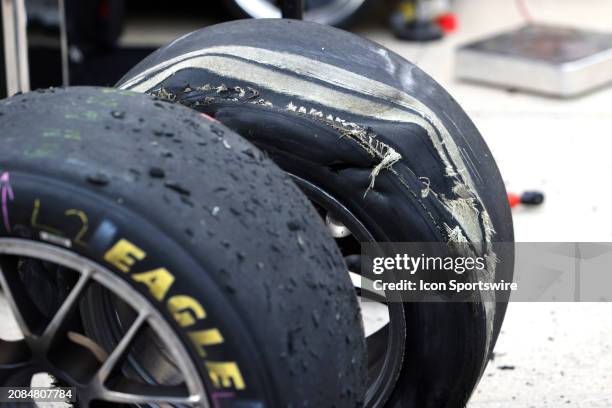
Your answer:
<point x="38" y="212"/>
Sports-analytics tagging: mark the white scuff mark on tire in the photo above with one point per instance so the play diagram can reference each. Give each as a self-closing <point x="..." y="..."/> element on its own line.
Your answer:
<point x="462" y="191"/>
<point x="389" y="159"/>
<point x="164" y="94"/>
<point x="488" y="225"/>
<point x="388" y="156"/>
<point x="314" y="112"/>
<point x="390" y="66"/>
<point x="221" y="88"/>
<point x="263" y="102"/>
<point x="426" y="186"/>
<point x="467" y="215"/>
<point x="455" y="235"/>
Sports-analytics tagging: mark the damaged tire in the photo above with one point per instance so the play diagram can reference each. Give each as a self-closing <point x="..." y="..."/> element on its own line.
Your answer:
<point x="153" y="256"/>
<point x="383" y="151"/>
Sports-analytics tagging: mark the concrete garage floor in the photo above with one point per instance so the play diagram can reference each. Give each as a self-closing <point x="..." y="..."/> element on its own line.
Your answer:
<point x="549" y="354"/>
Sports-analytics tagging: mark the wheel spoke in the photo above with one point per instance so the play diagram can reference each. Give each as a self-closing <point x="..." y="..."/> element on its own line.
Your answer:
<point x="15" y="294"/>
<point x="130" y="392"/>
<point x="58" y="324"/>
<point x="150" y="394"/>
<point x="121" y="349"/>
<point x="54" y="339"/>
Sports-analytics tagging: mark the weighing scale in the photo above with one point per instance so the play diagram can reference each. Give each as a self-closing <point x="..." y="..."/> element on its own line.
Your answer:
<point x="552" y="60"/>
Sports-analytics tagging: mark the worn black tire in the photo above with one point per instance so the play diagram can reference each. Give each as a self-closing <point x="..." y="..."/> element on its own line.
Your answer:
<point x="330" y="107"/>
<point x="205" y="204"/>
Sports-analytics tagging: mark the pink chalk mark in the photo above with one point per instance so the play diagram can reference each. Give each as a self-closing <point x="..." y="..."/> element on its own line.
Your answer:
<point x="7" y="192"/>
<point x="209" y="117"/>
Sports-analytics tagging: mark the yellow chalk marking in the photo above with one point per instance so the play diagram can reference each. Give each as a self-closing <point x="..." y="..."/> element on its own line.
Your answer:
<point x="84" y="222"/>
<point x="36" y="224"/>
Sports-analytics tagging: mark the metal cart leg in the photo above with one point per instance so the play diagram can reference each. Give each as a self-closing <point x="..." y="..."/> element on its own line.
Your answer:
<point x="15" y="46"/>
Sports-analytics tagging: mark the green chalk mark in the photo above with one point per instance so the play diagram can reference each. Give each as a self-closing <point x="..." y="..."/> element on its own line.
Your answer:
<point x="102" y="101"/>
<point x="40" y="152"/>
<point x="124" y="92"/>
<point x="68" y="134"/>
<point x="86" y="115"/>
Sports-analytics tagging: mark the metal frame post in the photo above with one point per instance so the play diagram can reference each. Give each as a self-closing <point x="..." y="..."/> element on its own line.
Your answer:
<point x="14" y="23"/>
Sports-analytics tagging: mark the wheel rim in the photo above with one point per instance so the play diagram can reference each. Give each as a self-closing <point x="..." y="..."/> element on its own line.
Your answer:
<point x="96" y="379"/>
<point x="386" y="344"/>
<point x="323" y="12"/>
